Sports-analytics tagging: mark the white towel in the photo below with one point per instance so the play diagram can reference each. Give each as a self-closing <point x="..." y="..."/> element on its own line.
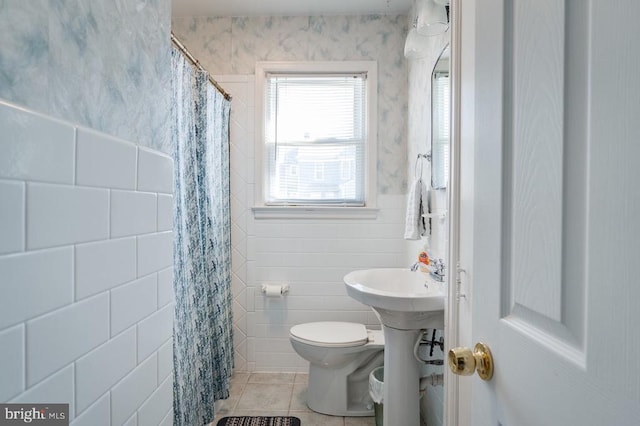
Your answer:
<point x="428" y="203"/>
<point x="417" y="205"/>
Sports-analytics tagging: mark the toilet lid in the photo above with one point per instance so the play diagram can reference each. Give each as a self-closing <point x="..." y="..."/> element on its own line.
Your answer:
<point x="330" y="333"/>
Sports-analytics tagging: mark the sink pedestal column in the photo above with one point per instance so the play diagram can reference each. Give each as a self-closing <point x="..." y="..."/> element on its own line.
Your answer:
<point x="405" y="302"/>
<point x="401" y="378"/>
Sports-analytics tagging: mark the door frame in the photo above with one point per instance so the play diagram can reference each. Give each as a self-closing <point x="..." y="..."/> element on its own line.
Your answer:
<point x="460" y="251"/>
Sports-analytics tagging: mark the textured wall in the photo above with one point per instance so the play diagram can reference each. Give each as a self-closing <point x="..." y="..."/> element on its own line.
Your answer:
<point x="86" y="311"/>
<point x="103" y="64"/>
<point x="231" y="46"/>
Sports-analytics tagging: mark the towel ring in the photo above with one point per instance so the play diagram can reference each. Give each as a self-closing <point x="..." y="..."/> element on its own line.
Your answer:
<point x="426" y="156"/>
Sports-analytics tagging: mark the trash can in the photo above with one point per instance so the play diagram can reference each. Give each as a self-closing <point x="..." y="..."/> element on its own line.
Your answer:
<point x="376" y="390"/>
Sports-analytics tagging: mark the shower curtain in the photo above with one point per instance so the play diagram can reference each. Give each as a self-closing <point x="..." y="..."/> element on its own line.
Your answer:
<point x="203" y="333"/>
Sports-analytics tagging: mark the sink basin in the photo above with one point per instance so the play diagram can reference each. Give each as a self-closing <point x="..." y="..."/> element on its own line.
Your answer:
<point x="403" y="299"/>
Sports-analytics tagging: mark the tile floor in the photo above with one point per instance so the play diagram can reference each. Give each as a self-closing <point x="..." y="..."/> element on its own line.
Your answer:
<point x="277" y="394"/>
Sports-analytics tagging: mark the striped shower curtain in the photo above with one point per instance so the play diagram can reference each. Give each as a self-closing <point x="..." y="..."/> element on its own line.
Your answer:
<point x="203" y="334"/>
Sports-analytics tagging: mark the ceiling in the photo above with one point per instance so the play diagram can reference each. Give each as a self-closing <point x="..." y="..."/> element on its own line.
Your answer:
<point x="289" y="7"/>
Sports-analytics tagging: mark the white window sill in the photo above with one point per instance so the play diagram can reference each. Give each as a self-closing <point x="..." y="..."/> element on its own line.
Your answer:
<point x="314" y="212"/>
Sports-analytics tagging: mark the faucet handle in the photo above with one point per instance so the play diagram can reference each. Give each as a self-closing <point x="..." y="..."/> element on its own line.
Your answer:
<point x="438" y="270"/>
<point x="438" y="263"/>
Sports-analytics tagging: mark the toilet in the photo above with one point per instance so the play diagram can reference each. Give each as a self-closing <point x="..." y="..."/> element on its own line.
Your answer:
<point x="341" y="355"/>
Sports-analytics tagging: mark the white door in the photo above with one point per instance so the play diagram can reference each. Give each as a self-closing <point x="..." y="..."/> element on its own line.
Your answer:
<point x="556" y="240"/>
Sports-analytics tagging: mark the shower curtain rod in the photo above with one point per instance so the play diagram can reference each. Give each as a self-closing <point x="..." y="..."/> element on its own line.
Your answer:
<point x="196" y="63"/>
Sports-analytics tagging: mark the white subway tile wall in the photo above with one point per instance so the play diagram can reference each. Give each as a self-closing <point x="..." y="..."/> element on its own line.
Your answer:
<point x="165" y="286"/>
<point x="151" y="412"/>
<point x="86" y="313"/>
<point x="12" y="366"/>
<point x="133" y="420"/>
<point x="311" y="256"/>
<point x="133" y="213"/>
<point x="102" y="368"/>
<point x="99" y="414"/>
<point x="168" y="419"/>
<point x="96" y="153"/>
<point x="36" y="148"/>
<point x="165" y="360"/>
<point x="155" y="172"/>
<point x="57" y="389"/>
<point x="165" y="212"/>
<point x="153" y="331"/>
<point x="12" y="216"/>
<point x="25" y="275"/>
<point x="62" y="336"/>
<point x="63" y="214"/>
<point x="133" y="302"/>
<point x="103" y="265"/>
<point x="154" y="252"/>
<point x="129" y="394"/>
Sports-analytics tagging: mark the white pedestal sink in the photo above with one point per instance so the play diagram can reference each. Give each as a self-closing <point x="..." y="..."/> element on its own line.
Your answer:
<point x="406" y="302"/>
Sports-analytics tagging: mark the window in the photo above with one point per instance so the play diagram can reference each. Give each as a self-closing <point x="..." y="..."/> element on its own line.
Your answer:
<point x="319" y="120"/>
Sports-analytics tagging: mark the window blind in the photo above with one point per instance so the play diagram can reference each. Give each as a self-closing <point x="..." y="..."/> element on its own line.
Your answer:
<point x="440" y="131"/>
<point x="315" y="139"/>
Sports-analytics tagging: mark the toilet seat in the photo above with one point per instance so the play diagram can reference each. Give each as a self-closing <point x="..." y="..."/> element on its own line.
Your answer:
<point x="330" y="334"/>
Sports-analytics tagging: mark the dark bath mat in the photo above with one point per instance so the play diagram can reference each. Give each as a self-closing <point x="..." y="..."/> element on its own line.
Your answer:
<point x="258" y="421"/>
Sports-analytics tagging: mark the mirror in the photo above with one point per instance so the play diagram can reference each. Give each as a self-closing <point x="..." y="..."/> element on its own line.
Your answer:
<point x="440" y="117"/>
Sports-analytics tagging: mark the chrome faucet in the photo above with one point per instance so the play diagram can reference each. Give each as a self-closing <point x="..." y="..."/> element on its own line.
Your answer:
<point x="437" y="269"/>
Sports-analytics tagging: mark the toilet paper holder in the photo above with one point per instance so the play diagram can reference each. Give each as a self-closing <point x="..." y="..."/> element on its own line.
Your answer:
<point x="275" y="289"/>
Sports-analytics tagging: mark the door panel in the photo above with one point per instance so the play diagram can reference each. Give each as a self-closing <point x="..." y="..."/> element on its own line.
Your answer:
<point x="543" y="293"/>
<point x="533" y="125"/>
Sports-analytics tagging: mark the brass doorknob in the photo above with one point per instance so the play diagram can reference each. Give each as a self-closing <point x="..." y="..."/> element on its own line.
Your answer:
<point x="464" y="362"/>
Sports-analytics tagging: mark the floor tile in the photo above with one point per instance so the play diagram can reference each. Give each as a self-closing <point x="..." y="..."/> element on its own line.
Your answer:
<point x="301" y="378"/>
<point x="316" y="419"/>
<point x="262" y="396"/>
<point x="272" y="377"/>
<point x="240" y="377"/>
<point x="299" y="398"/>
<point x="225" y="406"/>
<point x="277" y="394"/>
<point x="360" y="421"/>
<point x="260" y="413"/>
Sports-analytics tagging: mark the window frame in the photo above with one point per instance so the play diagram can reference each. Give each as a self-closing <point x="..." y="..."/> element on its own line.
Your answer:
<point x="369" y="210"/>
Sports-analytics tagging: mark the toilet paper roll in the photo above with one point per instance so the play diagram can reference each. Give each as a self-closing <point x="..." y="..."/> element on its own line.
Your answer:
<point x="272" y="290"/>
